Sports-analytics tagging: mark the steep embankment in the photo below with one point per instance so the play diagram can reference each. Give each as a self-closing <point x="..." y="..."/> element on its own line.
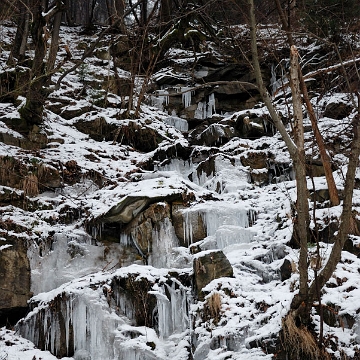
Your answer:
<point x="166" y="235"/>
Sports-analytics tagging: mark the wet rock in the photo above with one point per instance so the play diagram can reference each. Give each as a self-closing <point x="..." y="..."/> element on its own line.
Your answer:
<point x="320" y="195"/>
<point x="212" y="135"/>
<point x="74" y="110"/>
<point x="98" y="129"/>
<point x="126" y="210"/>
<point x="326" y="234"/>
<point x="254" y="159"/>
<point x="177" y="150"/>
<point x="14" y="280"/>
<point x="333" y="318"/>
<point x="285" y="270"/>
<point x="206" y="167"/>
<point x="210" y="266"/>
<point x="142" y="228"/>
<point x="315" y="169"/>
<point x="32" y="177"/>
<point x="337" y="110"/>
<point x="253" y="127"/>
<point x="189" y="226"/>
<point x="275" y="252"/>
<point x="352" y="247"/>
<point x="71" y="172"/>
<point x="259" y="176"/>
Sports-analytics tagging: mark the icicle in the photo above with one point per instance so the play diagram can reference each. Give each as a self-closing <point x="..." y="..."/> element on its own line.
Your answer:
<point x="186" y="96"/>
<point x="179" y="306"/>
<point x="125" y="239"/>
<point x="211" y="105"/>
<point x="161" y="99"/>
<point x="187" y="225"/>
<point x="163" y="241"/>
<point x="200" y="111"/>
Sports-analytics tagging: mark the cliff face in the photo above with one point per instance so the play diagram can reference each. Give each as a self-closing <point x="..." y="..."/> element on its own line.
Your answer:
<point x="170" y="234"/>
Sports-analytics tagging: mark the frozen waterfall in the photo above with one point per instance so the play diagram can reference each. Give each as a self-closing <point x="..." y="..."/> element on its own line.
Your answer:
<point x="228" y="223"/>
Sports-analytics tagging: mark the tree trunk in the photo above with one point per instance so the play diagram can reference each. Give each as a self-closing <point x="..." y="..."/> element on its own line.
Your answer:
<point x="165" y="13"/>
<point x="19" y="46"/>
<point x="346" y="215"/>
<point x="54" y="39"/>
<point x="32" y="111"/>
<point x="302" y="205"/>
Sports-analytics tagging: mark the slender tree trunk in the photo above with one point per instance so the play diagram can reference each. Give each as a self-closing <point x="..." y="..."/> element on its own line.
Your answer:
<point x="302" y="206"/>
<point x="54" y="39"/>
<point x="19" y="46"/>
<point x="165" y="13"/>
<point x="325" y="158"/>
<point x="32" y="111"/>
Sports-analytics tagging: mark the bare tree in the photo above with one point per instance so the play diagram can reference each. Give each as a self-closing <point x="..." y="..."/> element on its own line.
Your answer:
<point x="303" y="302"/>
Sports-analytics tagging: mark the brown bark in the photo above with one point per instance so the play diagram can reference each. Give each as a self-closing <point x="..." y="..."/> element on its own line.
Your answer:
<point x="261" y="86"/>
<point x="32" y="111"/>
<point x="22" y="31"/>
<point x="54" y="38"/>
<point x="302" y="206"/>
<point x="333" y="192"/>
<point x="165" y="13"/>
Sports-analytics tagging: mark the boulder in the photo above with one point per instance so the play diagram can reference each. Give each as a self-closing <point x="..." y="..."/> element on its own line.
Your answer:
<point x="285" y="270"/>
<point x="337" y="111"/>
<point x="252" y="126"/>
<point x="141" y="228"/>
<point x="215" y="134"/>
<point x="126" y="210"/>
<point x="195" y="227"/>
<point x="207" y="267"/>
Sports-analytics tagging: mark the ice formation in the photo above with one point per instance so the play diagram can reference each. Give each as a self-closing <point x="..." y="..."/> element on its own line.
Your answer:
<point x="95" y="321"/>
<point x="186" y="96"/>
<point x="205" y="109"/>
<point x="228" y="223"/>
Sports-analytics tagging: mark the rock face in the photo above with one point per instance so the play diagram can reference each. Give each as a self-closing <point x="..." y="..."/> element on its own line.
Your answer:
<point x="193" y="231"/>
<point x="210" y="266"/>
<point x="147" y="233"/>
<point x="14" y="281"/>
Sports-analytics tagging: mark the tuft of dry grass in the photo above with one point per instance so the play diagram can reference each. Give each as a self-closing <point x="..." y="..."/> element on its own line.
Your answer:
<point x="299" y="342"/>
<point x="214" y="306"/>
<point x="30" y="185"/>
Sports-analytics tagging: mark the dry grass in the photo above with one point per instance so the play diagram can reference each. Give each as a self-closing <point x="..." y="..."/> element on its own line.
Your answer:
<point x="214" y="306"/>
<point x="6" y="165"/>
<point x="299" y="342"/>
<point x="30" y="185"/>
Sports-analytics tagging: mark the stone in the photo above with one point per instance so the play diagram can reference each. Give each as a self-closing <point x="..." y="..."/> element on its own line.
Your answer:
<point x="337" y="111"/>
<point x="98" y="129"/>
<point x="255" y="159"/>
<point x="253" y="127"/>
<point x="207" y="267"/>
<point x="126" y="209"/>
<point x="215" y="134"/>
<point x="195" y="225"/>
<point x="14" y="281"/>
<point x="285" y="270"/>
<point x="141" y="228"/>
